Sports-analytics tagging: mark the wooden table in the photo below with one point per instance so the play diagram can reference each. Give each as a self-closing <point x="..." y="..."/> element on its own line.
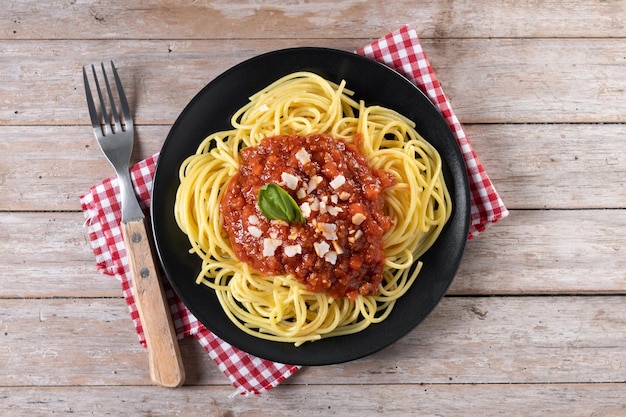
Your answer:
<point x="535" y="322"/>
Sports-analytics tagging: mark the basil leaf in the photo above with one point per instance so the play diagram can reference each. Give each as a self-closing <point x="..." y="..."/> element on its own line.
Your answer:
<point x="276" y="204"/>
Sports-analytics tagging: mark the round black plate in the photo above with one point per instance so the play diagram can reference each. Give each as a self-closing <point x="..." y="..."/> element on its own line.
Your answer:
<point x="211" y="111"/>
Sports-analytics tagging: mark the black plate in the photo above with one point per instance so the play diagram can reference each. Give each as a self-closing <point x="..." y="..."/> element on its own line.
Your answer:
<point x="211" y="111"/>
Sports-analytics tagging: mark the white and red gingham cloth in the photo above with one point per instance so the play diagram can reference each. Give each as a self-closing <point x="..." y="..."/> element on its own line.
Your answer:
<point x="400" y="50"/>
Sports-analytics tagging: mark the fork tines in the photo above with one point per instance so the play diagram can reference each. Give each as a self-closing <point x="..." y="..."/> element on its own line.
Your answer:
<point x="108" y="123"/>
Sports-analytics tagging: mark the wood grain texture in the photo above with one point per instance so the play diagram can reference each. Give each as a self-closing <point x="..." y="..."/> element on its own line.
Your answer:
<point x="466" y="340"/>
<point x="534" y="323"/>
<point x="521" y="80"/>
<point x="548" y="400"/>
<point x="554" y="166"/>
<point x="166" y="365"/>
<point x="326" y="19"/>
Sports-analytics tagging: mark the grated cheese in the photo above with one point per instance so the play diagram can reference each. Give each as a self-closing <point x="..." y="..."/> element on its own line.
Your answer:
<point x="315" y="204"/>
<point x="306" y="209"/>
<point x="338" y="181"/>
<point x="290" y="181"/>
<point x="334" y="210"/>
<point x="322" y="207"/>
<point x="303" y="156"/>
<point x="338" y="248"/>
<point x="293" y="250"/>
<point x="313" y="183"/>
<point x="254" y="231"/>
<point x="331" y="257"/>
<point x="321" y="248"/>
<point x="329" y="230"/>
<point x="270" y="246"/>
<point x="358" y="218"/>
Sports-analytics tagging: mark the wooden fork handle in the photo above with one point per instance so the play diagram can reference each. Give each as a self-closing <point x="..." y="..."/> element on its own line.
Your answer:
<point x="166" y="365"/>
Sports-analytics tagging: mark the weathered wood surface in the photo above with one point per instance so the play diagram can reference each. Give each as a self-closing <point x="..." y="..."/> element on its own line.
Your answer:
<point x="466" y="340"/>
<point x="324" y="19"/>
<point x="535" y="321"/>
<point x="436" y="400"/>
<point x="488" y="80"/>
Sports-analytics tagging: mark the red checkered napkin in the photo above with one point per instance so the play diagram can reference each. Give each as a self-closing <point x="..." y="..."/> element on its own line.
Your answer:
<point x="248" y="374"/>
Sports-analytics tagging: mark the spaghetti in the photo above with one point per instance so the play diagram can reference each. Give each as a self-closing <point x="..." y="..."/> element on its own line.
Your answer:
<point x="281" y="307"/>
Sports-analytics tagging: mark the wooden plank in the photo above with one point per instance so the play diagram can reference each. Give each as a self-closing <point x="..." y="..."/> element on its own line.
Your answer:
<point x="48" y="255"/>
<point x="546" y="166"/>
<point x="49" y="168"/>
<point x="532" y="80"/>
<point x="531" y="252"/>
<point x="321" y="19"/>
<point x="547" y="252"/>
<point x="466" y="340"/>
<point x="551" y="166"/>
<point x="510" y="80"/>
<point x="36" y="87"/>
<point x="554" y="400"/>
<point x="82" y="342"/>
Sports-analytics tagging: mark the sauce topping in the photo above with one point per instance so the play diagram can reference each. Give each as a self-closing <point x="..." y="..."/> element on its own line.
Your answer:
<point x="339" y="247"/>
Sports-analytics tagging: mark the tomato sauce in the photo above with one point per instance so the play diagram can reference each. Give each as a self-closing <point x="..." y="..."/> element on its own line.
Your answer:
<point x="339" y="249"/>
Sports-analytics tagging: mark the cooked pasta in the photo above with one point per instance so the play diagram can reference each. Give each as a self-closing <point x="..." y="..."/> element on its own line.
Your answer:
<point x="280" y="307"/>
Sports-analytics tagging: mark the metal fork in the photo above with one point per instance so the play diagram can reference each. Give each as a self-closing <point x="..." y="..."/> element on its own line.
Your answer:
<point x="115" y="136"/>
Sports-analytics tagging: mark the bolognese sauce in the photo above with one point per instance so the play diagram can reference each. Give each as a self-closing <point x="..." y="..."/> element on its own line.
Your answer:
<point x="339" y="248"/>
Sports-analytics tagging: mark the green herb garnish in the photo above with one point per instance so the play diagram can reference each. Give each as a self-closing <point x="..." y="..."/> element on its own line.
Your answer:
<point x="276" y="204"/>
